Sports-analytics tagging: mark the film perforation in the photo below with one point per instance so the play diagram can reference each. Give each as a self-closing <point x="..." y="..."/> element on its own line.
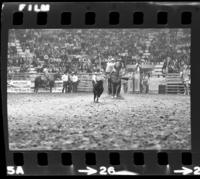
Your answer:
<point x="66" y="18"/>
<point x="138" y="18"/>
<point x="90" y="158"/>
<point x="138" y="158"/>
<point x="42" y="159"/>
<point x="42" y="18"/>
<point x="114" y="158"/>
<point x="66" y="159"/>
<point x="90" y="18"/>
<point x="186" y="158"/>
<point x="162" y="158"/>
<point x="162" y="18"/>
<point x="114" y="18"/>
<point x="18" y="18"/>
<point x="186" y="18"/>
<point x="18" y="159"/>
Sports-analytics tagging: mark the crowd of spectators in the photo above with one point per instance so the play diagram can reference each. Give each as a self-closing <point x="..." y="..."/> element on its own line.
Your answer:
<point x="89" y="49"/>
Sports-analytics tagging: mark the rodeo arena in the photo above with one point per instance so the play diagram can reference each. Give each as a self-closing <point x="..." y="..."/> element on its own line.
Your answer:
<point x="99" y="89"/>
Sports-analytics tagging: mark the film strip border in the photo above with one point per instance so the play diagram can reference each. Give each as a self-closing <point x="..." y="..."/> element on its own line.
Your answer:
<point x="73" y="163"/>
<point x="105" y="15"/>
<point x="113" y="18"/>
<point x="111" y="15"/>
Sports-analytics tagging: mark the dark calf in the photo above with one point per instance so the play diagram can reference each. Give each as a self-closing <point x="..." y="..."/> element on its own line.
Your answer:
<point x="97" y="90"/>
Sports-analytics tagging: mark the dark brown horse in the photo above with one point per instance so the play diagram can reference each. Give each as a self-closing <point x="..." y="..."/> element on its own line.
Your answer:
<point x="44" y="81"/>
<point x="115" y="80"/>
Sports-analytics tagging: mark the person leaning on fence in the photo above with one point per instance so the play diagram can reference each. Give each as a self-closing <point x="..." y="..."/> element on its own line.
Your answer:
<point x="65" y="79"/>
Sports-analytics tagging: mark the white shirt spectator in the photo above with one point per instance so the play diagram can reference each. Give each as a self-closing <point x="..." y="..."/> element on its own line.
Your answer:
<point x="74" y="78"/>
<point x="45" y="70"/>
<point x="65" y="78"/>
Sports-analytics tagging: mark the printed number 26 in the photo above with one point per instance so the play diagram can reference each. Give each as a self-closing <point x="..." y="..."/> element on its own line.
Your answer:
<point x="105" y="171"/>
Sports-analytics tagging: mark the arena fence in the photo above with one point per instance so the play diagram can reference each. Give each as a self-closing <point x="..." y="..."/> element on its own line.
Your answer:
<point x="174" y="84"/>
<point x="24" y="83"/>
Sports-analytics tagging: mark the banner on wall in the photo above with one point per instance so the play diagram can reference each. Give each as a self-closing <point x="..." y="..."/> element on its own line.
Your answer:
<point x="27" y="86"/>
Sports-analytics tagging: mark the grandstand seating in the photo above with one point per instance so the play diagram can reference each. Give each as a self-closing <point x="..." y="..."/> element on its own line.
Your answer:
<point x="150" y="47"/>
<point x="19" y="48"/>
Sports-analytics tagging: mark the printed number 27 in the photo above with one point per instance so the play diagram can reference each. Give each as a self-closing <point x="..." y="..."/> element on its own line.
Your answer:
<point x="196" y="170"/>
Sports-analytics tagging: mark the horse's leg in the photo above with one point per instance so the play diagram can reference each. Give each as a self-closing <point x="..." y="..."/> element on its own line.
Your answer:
<point x="116" y="91"/>
<point x="119" y="89"/>
<point x="112" y="89"/>
<point x="94" y="96"/>
<point x="63" y="87"/>
<point x="109" y="87"/>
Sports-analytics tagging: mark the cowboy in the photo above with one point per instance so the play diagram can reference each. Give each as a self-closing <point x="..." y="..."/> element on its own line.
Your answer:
<point x="109" y="69"/>
<point x="97" y="76"/>
<point x="65" y="79"/>
<point x="74" y="79"/>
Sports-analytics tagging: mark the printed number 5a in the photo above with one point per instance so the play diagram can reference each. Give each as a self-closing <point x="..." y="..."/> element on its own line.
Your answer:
<point x="106" y="171"/>
<point x="11" y="170"/>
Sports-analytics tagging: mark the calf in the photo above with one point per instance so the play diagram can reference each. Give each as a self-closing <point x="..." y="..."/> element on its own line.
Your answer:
<point x="97" y="90"/>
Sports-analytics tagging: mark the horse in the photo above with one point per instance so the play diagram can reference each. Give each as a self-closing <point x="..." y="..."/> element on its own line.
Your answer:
<point x="44" y="81"/>
<point x="115" y="80"/>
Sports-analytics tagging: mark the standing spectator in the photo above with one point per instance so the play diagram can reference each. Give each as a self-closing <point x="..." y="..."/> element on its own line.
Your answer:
<point x="70" y="82"/>
<point x="185" y="74"/>
<point x="137" y="79"/>
<point x="74" y="79"/>
<point x="65" y="79"/>
<point x="146" y="83"/>
<point x="129" y="83"/>
<point x="109" y="68"/>
<point x="124" y="82"/>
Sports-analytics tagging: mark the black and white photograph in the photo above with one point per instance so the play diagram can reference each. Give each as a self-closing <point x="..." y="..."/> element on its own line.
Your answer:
<point x="99" y="89"/>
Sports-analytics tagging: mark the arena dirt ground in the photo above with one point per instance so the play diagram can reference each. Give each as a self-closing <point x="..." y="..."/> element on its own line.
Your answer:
<point x="74" y="122"/>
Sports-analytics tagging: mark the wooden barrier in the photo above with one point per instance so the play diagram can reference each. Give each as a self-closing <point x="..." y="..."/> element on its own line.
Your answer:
<point x="174" y="84"/>
<point x="85" y="83"/>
